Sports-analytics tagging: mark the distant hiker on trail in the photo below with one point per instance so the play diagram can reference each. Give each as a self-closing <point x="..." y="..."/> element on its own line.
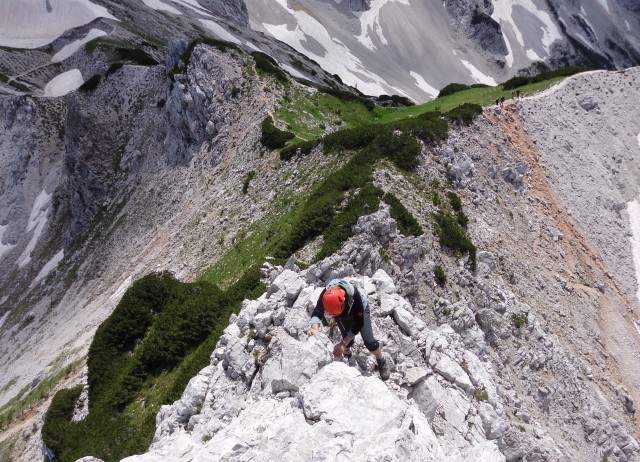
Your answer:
<point x="349" y="309"/>
<point x="497" y="101"/>
<point x="517" y="93"/>
<point x="366" y="209"/>
<point x="502" y="101"/>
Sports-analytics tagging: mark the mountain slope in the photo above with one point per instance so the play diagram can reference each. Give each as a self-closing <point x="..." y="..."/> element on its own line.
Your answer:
<point x="417" y="48"/>
<point x="157" y="167"/>
<point x="542" y="325"/>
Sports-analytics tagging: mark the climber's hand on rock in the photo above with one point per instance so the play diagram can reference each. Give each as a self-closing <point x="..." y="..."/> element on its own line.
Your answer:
<point x="314" y="328"/>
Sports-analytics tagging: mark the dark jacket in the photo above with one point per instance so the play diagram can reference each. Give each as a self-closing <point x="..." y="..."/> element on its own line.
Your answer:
<point x="352" y="315"/>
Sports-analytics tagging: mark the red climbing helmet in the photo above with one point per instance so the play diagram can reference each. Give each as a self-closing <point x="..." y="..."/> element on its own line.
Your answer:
<point x="333" y="301"/>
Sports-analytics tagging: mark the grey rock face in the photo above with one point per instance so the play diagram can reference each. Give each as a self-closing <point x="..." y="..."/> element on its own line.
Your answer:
<point x="296" y="382"/>
<point x="356" y="5"/>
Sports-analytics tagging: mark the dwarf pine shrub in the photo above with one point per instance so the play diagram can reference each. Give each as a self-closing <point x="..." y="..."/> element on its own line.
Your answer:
<point x="162" y="329"/>
<point x="464" y="114"/>
<point x="440" y="276"/>
<point x="272" y="137"/>
<point x="90" y="84"/>
<point x="268" y="65"/>
<point x="407" y="224"/>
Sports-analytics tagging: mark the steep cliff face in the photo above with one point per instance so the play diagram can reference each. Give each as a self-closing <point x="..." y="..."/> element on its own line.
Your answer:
<point x="432" y="44"/>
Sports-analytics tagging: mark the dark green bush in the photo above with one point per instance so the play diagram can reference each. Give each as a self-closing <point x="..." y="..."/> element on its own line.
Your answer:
<point x="136" y="56"/>
<point x="90" y="84"/>
<point x="350" y="138"/>
<point x="117" y="336"/>
<point x="462" y="219"/>
<point x="268" y="65"/>
<point x="402" y="149"/>
<point x="113" y="68"/>
<point x="456" y="202"/>
<point x="407" y="224"/>
<point x="346" y="95"/>
<point x="305" y="147"/>
<point x="440" y="276"/>
<point x="452" y="235"/>
<point x="247" y="179"/>
<point x="58" y="417"/>
<point x="339" y="229"/>
<point x="516" y="82"/>
<point x="435" y="199"/>
<point x="394" y="101"/>
<point x="429" y="127"/>
<point x="452" y="88"/>
<point x="520" y="319"/>
<point x="464" y="113"/>
<point x="272" y="137"/>
<point x="159" y="325"/>
<point x="456" y="87"/>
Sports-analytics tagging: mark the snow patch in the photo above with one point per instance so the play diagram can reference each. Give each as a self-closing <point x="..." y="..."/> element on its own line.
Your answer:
<point x="639" y="140"/>
<point x="605" y="5"/>
<point x="477" y="75"/>
<point x="64" y="83"/>
<point x="370" y="23"/>
<point x="117" y="295"/>
<point x="194" y="5"/>
<point x="160" y="6"/>
<point x="220" y="31"/>
<point x="633" y="208"/>
<point x="37" y="212"/>
<point x="5" y="316"/>
<point x="4" y="248"/>
<point x="503" y="15"/>
<point x="337" y="58"/>
<point x="36" y="23"/>
<point x="37" y="222"/>
<point x="292" y="71"/>
<point x="423" y="85"/>
<point x="51" y="264"/>
<point x="72" y="47"/>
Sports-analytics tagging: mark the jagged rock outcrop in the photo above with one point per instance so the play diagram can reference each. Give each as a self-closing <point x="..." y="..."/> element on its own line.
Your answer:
<point x="273" y="392"/>
<point x="474" y="20"/>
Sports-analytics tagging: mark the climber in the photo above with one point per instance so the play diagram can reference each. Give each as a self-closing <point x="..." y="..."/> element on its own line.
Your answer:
<point x="349" y="309"/>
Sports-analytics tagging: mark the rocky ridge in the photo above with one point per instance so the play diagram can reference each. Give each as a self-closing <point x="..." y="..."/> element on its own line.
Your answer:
<point x="562" y="389"/>
<point x="271" y="391"/>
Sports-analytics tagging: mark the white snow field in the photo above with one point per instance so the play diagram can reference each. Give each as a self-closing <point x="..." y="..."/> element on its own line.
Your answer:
<point x="64" y="83"/>
<point x="37" y="222"/>
<point x="49" y="266"/>
<point x="36" y="23"/>
<point x="509" y="14"/>
<point x="332" y="55"/>
<point x="72" y="47"/>
<point x="4" y="248"/>
<point x="161" y="6"/>
<point x="633" y="208"/>
<point x="220" y="31"/>
<point x="117" y="295"/>
<point x="424" y="85"/>
<point x="370" y="23"/>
